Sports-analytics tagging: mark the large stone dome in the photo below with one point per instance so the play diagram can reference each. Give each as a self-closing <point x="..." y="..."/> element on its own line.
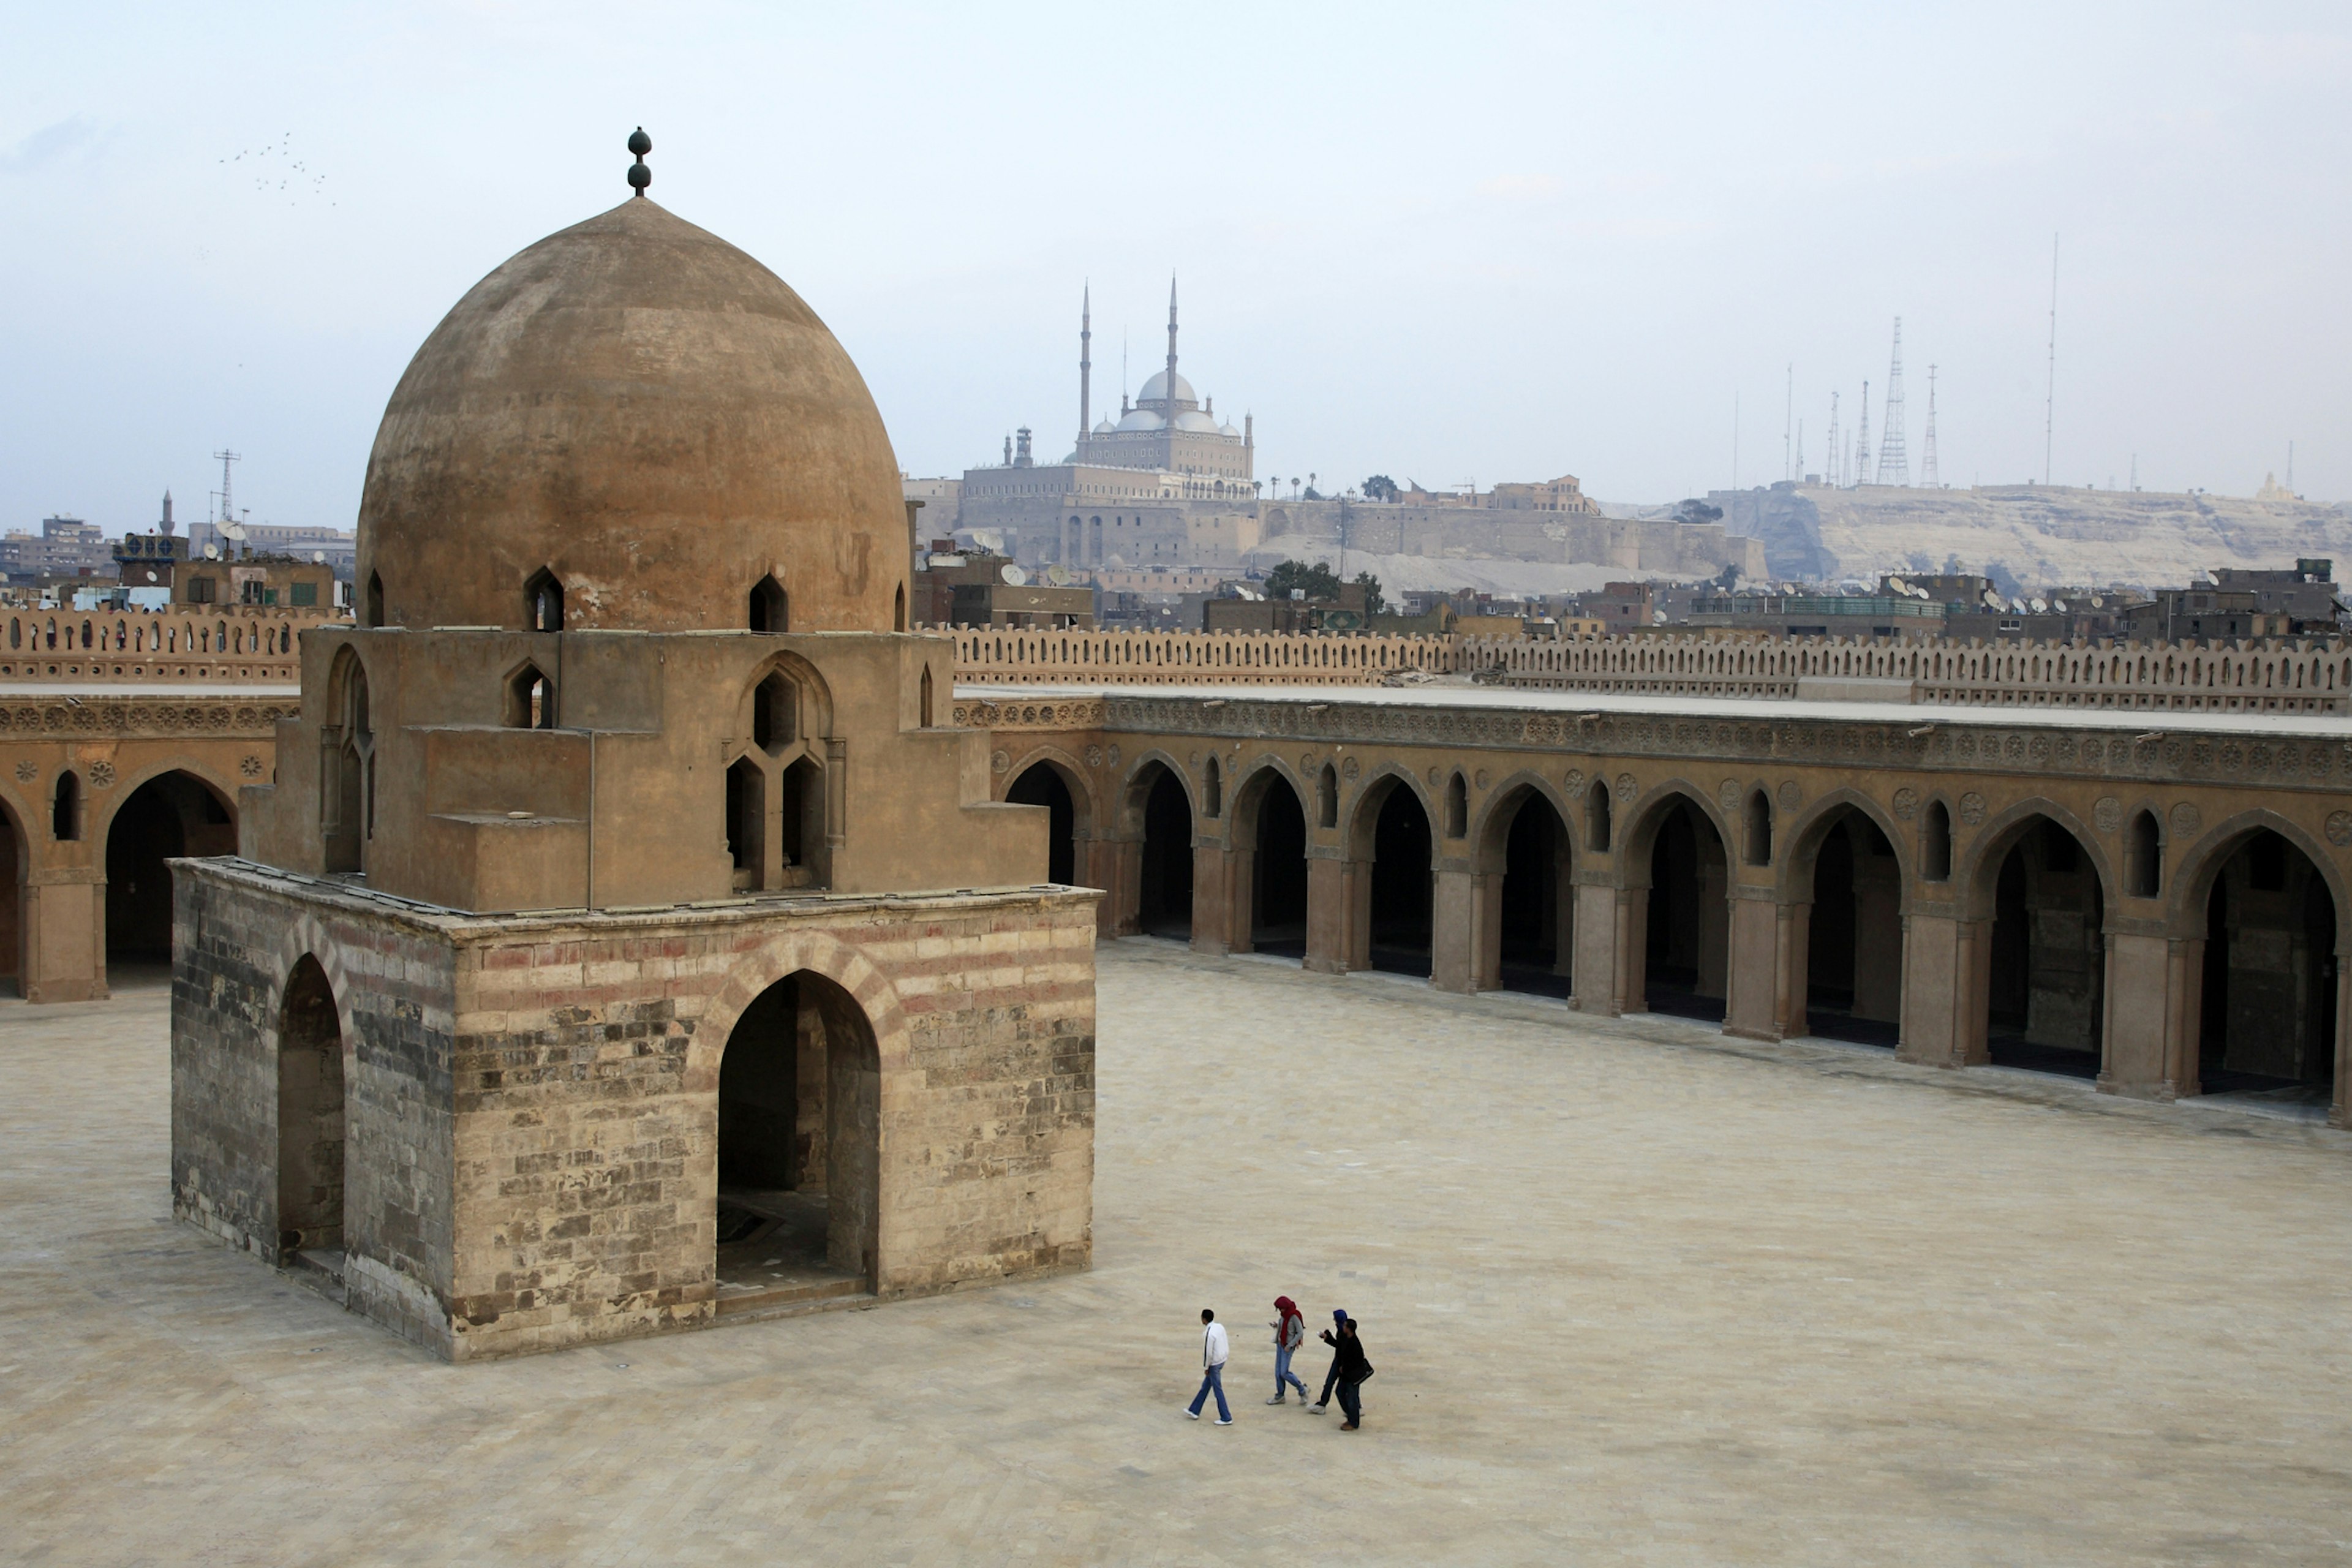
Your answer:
<point x="641" y="409"/>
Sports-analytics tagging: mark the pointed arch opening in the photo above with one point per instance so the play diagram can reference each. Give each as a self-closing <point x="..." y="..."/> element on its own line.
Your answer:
<point x="1399" y="885"/>
<point x="1850" y="884"/>
<point x="1041" y="783"/>
<point x="1269" y="868"/>
<point x="2143" y="857"/>
<point x="802" y="858"/>
<point x="530" y="700"/>
<point x="170" y="816"/>
<point x="374" y="613"/>
<point x="310" y="1121"/>
<point x="2266" y="1013"/>
<point x="798" y="1195"/>
<point x="898" y="611"/>
<point x="1758" y="832"/>
<point x="1457" y="807"/>
<point x="13" y="860"/>
<point x="2044" y="995"/>
<point x="1935" y="843"/>
<point x="747" y="824"/>
<point x="1326" y="796"/>
<point x="1164" y="883"/>
<point x="543" y="594"/>
<point x="1687" y="931"/>
<point x="1597" y="812"/>
<point x="347" y="768"/>
<point x="923" y="700"/>
<point x="64" y="807"/>
<point x="1212" y="789"/>
<point x="1527" y="854"/>
<point x="769" y="610"/>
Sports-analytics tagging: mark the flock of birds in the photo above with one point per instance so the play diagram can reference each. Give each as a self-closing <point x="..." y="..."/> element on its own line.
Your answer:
<point x="276" y="172"/>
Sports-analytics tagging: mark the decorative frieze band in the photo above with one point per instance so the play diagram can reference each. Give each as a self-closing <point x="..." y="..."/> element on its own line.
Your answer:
<point x="87" y="720"/>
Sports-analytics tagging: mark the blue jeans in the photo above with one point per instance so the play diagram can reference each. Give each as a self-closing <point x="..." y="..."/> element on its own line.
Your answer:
<point x="1284" y="1378"/>
<point x="1214" y="1380"/>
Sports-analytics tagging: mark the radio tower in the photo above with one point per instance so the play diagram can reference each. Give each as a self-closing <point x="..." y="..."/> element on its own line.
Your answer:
<point x="225" y="458"/>
<point x="1927" y="475"/>
<point x="1861" y="442"/>
<point x="1833" y="467"/>
<point x="1893" y="465"/>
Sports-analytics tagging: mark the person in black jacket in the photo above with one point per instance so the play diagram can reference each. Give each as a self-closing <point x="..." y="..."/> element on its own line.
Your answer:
<point x="1350" y="1367"/>
<point x="1330" y="1378"/>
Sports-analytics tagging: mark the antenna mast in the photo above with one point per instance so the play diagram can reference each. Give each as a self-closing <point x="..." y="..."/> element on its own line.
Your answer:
<point x="225" y="458"/>
<point x="1894" y="463"/>
<point x="1861" y="442"/>
<point x="1787" y="421"/>
<point x="1927" y="475"/>
<point x="2050" y="402"/>
<point x="1833" y="468"/>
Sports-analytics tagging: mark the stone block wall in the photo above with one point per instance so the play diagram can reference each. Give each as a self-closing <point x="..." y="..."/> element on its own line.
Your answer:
<point x="533" y="1113"/>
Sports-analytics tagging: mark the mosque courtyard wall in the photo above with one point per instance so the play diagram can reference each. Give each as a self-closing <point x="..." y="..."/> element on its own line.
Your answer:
<point x="496" y="1135"/>
<point x="2162" y="908"/>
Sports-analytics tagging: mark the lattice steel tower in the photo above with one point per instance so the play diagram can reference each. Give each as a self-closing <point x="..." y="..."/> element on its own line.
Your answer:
<point x="1862" y="441"/>
<point x="1927" y="475"/>
<point x="1893" y="465"/>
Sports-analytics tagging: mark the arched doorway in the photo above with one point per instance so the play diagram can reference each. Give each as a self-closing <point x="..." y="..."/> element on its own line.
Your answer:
<point x="2046" y="952"/>
<point x="800" y="1116"/>
<point x="1164" y="887"/>
<point x="1401" y="882"/>
<point x="2267" y="1019"/>
<point x="169" y="816"/>
<point x="1688" y="941"/>
<point x="1270" y="827"/>
<point x="1042" y="785"/>
<point x="1527" y="849"/>
<point x="309" y="1122"/>
<point x="1853" y="943"/>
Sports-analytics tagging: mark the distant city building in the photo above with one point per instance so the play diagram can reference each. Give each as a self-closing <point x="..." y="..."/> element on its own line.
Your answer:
<point x="66" y="547"/>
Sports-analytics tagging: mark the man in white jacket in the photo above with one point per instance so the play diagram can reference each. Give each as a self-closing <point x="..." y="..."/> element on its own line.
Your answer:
<point x="1214" y="1352"/>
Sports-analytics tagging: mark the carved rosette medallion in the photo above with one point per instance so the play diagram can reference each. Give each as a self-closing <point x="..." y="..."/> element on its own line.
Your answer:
<point x="2186" y="820"/>
<point x="1792" y="796"/>
<point x="1907" y="802"/>
<point x="2108" y="813"/>
<point x="1972" y="808"/>
<point x="2339" y="828"/>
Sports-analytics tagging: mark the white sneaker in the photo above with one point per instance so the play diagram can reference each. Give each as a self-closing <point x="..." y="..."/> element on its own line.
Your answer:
<point x="1275" y="1400"/>
<point x="1225" y="1420"/>
<point x="1193" y="1414"/>
<point x="1316" y="1408"/>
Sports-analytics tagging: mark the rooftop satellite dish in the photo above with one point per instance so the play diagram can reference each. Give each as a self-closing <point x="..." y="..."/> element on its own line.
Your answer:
<point x="232" y="531"/>
<point x="317" y="557"/>
<point x="1899" y="585"/>
<point x="212" y="552"/>
<point x="1015" y="577"/>
<point x="2017" y="607"/>
<point x="1059" y="577"/>
<point x="2040" y="606"/>
<point x="1993" y="601"/>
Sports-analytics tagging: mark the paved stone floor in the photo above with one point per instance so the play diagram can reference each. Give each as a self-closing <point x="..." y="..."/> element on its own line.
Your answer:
<point x="1636" y="1295"/>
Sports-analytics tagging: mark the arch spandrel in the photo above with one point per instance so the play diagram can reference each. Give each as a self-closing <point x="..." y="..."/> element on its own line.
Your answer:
<point x="779" y="958"/>
<point x="1134" y="792"/>
<point x="1976" y="865"/>
<point x="95" y="829"/>
<point x="1362" y="814"/>
<point x="1490" y="824"/>
<point x="1800" y="841"/>
<point x="2188" y="885"/>
<point x="1246" y="792"/>
<point x="1641" y="820"/>
<point x="1075" y="775"/>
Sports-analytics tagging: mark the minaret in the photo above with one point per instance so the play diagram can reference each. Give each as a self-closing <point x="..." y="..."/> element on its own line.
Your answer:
<point x="1172" y="345"/>
<point x="166" y="526"/>
<point x="1086" y="366"/>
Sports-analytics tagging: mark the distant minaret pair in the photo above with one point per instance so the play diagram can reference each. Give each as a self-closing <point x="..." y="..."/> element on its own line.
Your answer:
<point x="1086" y="356"/>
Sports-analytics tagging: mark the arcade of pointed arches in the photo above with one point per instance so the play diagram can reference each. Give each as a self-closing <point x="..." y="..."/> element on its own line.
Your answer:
<point x="1483" y="884"/>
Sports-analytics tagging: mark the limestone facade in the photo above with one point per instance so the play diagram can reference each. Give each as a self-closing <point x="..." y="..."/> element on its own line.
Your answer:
<point x="509" y="1129"/>
<point x="2052" y="875"/>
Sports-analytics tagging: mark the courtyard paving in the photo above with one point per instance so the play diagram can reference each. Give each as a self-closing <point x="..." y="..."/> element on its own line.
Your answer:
<point x="1636" y="1294"/>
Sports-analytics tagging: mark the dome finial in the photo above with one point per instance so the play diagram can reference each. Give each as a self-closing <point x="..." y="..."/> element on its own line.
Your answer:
<point x="640" y="177"/>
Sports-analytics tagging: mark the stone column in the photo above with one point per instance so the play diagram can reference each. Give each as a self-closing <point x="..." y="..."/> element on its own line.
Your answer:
<point x="2149" y="1033"/>
<point x="1611" y="929"/>
<point x="1331" y="909"/>
<point x="1756" y="969"/>
<point x="1486" y="944"/>
<point x="1563" y="886"/>
<point x="1457" y="931"/>
<point x="1947" y="966"/>
<point x="1241" y="901"/>
<point x="1119" y="867"/>
<point x="1212" y="896"/>
<point x="65" y="935"/>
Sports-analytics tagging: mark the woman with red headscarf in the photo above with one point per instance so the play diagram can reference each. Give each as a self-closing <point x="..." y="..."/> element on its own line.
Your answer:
<point x="1290" y="1328"/>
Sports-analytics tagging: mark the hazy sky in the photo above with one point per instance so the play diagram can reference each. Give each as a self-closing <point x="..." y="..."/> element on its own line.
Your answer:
<point x="1444" y="243"/>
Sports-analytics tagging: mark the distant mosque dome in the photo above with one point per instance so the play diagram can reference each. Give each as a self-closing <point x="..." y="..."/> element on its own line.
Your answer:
<point x="1142" y="419"/>
<point x="1229" y="430"/>
<point x="1193" y="419"/>
<point x="1155" y="389"/>
<point x="1103" y="426"/>
<point x="643" y="410"/>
